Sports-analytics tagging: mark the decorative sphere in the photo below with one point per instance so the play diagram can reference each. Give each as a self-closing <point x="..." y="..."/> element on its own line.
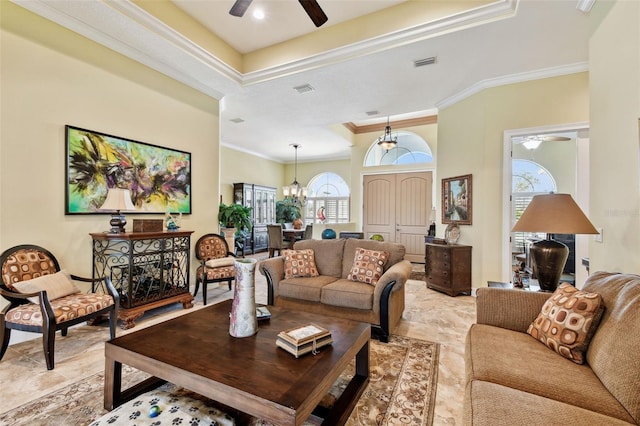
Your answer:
<point x="328" y="234"/>
<point x="377" y="237"/>
<point x="154" y="411"/>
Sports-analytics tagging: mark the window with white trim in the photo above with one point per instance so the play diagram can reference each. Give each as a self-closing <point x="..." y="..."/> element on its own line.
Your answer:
<point x="328" y="198"/>
<point x="528" y="179"/>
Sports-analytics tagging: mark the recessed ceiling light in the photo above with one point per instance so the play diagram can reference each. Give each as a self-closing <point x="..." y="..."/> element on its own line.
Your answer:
<point x="258" y="14"/>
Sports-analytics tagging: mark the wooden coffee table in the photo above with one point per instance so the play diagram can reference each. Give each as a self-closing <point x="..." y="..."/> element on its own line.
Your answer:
<point x="251" y="374"/>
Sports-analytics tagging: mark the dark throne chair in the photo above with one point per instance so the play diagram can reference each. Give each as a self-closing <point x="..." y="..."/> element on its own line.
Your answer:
<point x="43" y="299"/>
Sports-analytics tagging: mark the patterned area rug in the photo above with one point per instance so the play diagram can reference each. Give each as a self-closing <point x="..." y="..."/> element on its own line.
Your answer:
<point x="401" y="390"/>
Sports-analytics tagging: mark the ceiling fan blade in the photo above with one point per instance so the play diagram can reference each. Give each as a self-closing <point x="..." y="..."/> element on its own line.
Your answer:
<point x="240" y="7"/>
<point x="314" y="11"/>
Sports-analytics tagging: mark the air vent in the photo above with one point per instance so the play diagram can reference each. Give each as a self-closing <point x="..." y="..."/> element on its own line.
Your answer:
<point x="237" y="120"/>
<point x="372" y="113"/>
<point x="425" y="61"/>
<point x="304" y="88"/>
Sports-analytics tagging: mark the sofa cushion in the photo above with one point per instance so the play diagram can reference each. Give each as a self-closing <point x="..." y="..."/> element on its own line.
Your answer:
<point x="497" y="405"/>
<point x="513" y="359"/>
<point x="56" y="285"/>
<point x="348" y="294"/>
<point x="396" y="252"/>
<point x="567" y="321"/>
<point x="65" y="308"/>
<point x="328" y="255"/>
<point x="307" y="288"/>
<point x="368" y="266"/>
<point x="299" y="263"/>
<point x="613" y="353"/>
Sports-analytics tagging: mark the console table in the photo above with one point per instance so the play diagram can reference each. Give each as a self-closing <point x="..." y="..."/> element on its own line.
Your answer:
<point x="448" y="268"/>
<point x="149" y="269"/>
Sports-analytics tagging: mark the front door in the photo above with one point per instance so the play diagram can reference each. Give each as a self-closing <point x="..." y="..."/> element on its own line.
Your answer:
<point x="398" y="206"/>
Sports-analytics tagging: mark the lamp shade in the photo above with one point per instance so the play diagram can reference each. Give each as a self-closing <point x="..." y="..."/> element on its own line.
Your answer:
<point x="118" y="199"/>
<point x="554" y="214"/>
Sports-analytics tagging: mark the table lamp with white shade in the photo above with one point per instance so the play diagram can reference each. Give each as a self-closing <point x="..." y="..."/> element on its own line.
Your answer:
<point x="117" y="200"/>
<point x="552" y="214"/>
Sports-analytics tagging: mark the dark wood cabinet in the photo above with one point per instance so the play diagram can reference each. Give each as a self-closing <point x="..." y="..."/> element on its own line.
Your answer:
<point x="262" y="200"/>
<point x="448" y="268"/>
<point x="149" y="269"/>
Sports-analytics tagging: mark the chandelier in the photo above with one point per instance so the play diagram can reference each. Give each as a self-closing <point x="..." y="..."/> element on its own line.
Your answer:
<point x="387" y="141"/>
<point x="295" y="193"/>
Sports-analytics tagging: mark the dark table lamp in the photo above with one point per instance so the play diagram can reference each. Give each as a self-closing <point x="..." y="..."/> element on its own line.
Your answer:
<point x="118" y="199"/>
<point x="552" y="214"/>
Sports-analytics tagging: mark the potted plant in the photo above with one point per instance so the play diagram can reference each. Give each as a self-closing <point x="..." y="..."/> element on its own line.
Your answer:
<point x="287" y="212"/>
<point x="235" y="220"/>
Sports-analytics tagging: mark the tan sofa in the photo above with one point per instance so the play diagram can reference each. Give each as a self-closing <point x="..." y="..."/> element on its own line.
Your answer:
<point x="332" y="294"/>
<point x="512" y="379"/>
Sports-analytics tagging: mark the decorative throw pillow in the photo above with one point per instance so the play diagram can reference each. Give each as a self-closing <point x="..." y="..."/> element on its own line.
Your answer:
<point x="57" y="285"/>
<point x="299" y="263"/>
<point x="568" y="321"/>
<point x="217" y="263"/>
<point x="368" y="266"/>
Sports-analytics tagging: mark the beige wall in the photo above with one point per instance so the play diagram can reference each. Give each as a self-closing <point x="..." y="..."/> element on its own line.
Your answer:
<point x="241" y="167"/>
<point x="52" y="77"/>
<point x="470" y="137"/>
<point x="614" y="68"/>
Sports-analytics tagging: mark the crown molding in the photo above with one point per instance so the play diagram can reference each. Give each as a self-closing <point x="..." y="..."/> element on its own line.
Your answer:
<point x="500" y="9"/>
<point x="514" y="78"/>
<point x="126" y="28"/>
<point x="411" y="122"/>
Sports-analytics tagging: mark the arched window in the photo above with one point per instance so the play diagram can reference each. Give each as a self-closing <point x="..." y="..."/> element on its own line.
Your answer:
<point x="528" y="179"/>
<point x="411" y="149"/>
<point x="327" y="199"/>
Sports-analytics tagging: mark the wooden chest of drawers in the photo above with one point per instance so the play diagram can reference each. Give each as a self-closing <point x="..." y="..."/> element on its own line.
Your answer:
<point x="448" y="268"/>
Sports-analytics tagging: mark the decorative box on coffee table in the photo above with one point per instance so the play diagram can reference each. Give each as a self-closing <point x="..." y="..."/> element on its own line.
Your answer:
<point x="448" y="268"/>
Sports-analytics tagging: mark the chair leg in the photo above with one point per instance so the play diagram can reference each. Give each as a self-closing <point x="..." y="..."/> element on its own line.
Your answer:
<point x="270" y="252"/>
<point x="230" y="284"/>
<point x="204" y="293"/>
<point x="64" y="331"/>
<point x="195" y="293"/>
<point x="113" y="322"/>
<point x="4" y="338"/>
<point x="48" y="344"/>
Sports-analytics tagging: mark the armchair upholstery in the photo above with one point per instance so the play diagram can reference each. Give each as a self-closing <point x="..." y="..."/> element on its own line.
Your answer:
<point x="34" y="311"/>
<point x="216" y="263"/>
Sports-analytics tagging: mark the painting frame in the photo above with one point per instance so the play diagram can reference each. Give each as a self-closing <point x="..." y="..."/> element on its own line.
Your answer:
<point x="457" y="200"/>
<point x="158" y="178"/>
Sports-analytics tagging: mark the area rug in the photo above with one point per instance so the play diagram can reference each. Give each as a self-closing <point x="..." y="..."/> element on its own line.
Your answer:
<point x="401" y="390"/>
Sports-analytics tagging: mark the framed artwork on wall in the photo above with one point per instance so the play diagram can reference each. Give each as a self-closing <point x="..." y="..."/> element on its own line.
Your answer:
<point x="159" y="179"/>
<point x="457" y="200"/>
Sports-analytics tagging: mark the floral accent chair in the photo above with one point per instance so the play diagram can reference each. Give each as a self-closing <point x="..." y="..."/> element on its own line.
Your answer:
<point x="216" y="263"/>
<point x="43" y="298"/>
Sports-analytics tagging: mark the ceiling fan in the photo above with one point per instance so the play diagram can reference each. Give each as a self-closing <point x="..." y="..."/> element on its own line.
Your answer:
<point x="312" y="8"/>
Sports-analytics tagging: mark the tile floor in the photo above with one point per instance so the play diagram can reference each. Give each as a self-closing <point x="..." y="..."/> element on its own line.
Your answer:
<point x="428" y="315"/>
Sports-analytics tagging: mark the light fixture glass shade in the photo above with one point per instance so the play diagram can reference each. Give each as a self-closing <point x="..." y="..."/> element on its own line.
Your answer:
<point x="295" y="193"/>
<point x="554" y="214"/>
<point x="387" y="141"/>
<point x="117" y="200"/>
<point x="532" y="144"/>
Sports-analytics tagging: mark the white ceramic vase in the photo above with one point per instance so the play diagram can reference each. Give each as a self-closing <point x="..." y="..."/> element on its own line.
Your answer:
<point x="243" y="320"/>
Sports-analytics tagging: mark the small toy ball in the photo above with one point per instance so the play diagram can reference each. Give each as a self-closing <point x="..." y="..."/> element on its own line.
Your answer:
<point x="377" y="237"/>
<point x="154" y="411"/>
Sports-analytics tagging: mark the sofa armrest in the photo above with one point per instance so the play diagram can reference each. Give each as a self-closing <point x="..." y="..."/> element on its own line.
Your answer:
<point x="398" y="273"/>
<point x="273" y="270"/>
<point x="509" y="308"/>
